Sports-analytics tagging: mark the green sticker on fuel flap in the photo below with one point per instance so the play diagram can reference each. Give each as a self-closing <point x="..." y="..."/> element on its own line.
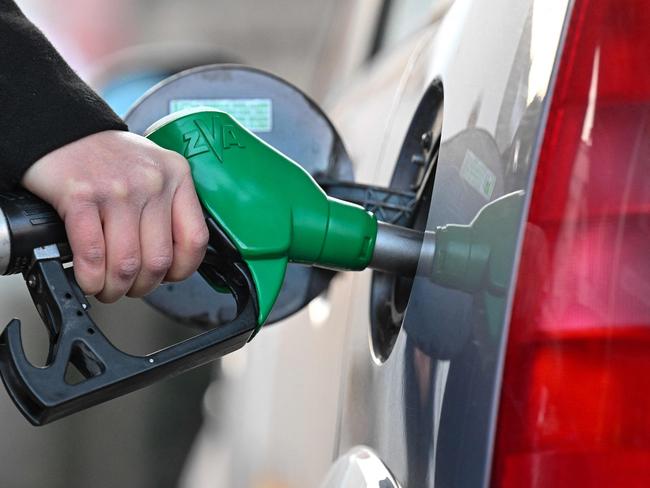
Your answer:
<point x="256" y="114"/>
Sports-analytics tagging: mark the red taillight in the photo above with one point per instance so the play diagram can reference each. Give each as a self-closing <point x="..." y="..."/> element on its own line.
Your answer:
<point x="575" y="401"/>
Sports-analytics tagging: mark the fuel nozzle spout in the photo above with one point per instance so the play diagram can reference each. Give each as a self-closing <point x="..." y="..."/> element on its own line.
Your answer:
<point x="398" y="249"/>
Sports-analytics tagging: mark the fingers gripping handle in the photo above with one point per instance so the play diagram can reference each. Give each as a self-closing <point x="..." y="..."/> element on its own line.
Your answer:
<point x="43" y="395"/>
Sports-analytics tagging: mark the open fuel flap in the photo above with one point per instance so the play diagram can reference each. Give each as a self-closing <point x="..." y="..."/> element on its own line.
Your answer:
<point x="282" y="116"/>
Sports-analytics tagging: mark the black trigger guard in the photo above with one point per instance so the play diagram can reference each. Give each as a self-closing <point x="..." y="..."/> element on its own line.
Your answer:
<point x="43" y="395"/>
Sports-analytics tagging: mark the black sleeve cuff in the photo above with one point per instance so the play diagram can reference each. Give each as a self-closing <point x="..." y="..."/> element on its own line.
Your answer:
<point x="44" y="104"/>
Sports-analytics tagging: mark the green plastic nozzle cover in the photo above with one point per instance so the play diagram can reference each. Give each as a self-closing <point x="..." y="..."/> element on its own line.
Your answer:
<point x="271" y="208"/>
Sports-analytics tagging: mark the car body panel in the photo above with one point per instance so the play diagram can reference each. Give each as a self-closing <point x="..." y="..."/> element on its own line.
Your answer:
<point x="309" y="389"/>
<point x="429" y="410"/>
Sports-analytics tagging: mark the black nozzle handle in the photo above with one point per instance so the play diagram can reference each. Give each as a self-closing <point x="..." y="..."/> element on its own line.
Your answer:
<point x="44" y="395"/>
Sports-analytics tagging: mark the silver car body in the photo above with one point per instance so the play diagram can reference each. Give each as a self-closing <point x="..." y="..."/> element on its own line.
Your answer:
<point x="310" y="390"/>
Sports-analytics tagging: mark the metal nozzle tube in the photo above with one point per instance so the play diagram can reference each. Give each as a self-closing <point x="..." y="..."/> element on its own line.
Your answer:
<point x="398" y="249"/>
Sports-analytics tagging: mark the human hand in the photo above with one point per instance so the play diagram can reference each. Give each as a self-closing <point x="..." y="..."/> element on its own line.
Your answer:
<point x="130" y="211"/>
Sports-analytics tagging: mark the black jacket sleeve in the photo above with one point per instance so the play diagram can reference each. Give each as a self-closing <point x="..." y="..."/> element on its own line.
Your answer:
<point x="43" y="104"/>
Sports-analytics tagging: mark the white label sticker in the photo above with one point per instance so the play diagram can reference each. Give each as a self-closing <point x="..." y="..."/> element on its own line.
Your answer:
<point x="478" y="175"/>
<point x="256" y="114"/>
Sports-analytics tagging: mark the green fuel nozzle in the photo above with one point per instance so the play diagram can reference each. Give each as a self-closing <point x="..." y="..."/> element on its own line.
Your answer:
<point x="274" y="213"/>
<point x="271" y="208"/>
